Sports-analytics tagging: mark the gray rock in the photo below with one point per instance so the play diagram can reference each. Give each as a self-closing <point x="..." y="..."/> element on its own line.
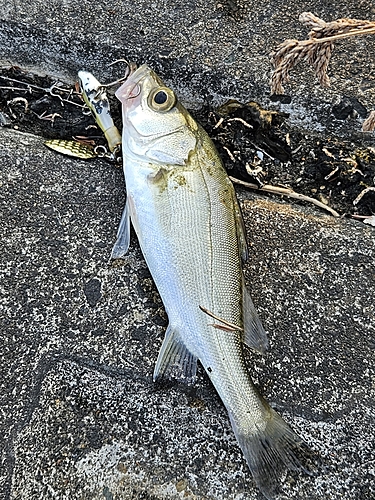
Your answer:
<point x="80" y="416"/>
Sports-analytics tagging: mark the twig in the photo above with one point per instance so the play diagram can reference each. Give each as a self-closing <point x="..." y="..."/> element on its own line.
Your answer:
<point x="331" y="174"/>
<point x="285" y="192"/>
<point x="229" y="154"/>
<point x="236" y="119"/>
<point x="361" y="195"/>
<point x="366" y="219"/>
<point x="340" y="36"/>
<point x="219" y="123"/>
<point x="230" y="326"/>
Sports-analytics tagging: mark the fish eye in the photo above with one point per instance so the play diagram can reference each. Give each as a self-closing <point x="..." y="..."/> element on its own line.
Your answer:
<point x="162" y="99"/>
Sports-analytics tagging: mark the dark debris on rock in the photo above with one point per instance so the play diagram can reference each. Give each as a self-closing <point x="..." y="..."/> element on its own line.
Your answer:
<point x="257" y="145"/>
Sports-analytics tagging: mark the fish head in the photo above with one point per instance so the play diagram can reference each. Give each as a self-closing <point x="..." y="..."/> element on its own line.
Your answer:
<point x="156" y="127"/>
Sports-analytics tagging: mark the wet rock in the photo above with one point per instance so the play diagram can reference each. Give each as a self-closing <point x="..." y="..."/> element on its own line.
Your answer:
<point x="92" y="291"/>
<point x="349" y="107"/>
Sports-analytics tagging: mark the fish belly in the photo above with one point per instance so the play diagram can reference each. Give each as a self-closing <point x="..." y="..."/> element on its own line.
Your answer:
<point x="188" y="238"/>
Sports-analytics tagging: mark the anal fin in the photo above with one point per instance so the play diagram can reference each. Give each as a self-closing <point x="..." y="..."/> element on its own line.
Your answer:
<point x="174" y="360"/>
<point x="254" y="334"/>
<point x="121" y="246"/>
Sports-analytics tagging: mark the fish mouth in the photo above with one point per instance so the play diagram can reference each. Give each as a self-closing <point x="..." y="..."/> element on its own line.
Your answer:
<point x="138" y="74"/>
<point x="131" y="87"/>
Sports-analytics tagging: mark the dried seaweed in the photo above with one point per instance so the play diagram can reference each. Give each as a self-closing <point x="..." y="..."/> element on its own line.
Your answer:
<point x="369" y="124"/>
<point x="316" y="50"/>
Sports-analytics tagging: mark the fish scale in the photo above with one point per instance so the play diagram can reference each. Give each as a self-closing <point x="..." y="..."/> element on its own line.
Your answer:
<point x="187" y="219"/>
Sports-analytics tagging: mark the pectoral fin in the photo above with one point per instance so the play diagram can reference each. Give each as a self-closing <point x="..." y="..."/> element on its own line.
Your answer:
<point x="121" y="246"/>
<point x="254" y="334"/>
<point x="174" y="360"/>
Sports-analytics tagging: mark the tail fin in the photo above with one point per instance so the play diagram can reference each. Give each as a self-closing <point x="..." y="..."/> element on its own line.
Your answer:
<point x="270" y="451"/>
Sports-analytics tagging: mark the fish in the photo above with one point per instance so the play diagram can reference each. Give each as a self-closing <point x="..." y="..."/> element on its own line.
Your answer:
<point x="188" y="221"/>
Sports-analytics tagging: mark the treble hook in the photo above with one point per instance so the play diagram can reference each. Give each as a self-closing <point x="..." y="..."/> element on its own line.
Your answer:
<point x="130" y="68"/>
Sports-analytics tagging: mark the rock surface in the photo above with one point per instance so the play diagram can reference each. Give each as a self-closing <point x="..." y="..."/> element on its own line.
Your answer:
<point x="80" y="335"/>
<point x="80" y="416"/>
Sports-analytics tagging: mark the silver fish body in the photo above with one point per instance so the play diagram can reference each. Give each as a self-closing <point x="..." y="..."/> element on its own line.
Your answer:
<point x="186" y="216"/>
